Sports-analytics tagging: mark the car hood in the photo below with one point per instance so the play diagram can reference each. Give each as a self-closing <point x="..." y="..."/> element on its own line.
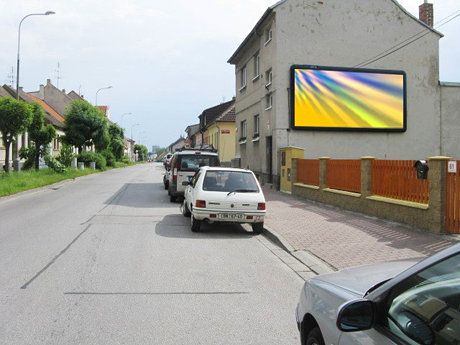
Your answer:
<point x="358" y="280"/>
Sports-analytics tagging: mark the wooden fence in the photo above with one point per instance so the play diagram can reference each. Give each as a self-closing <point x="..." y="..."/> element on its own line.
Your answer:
<point x="453" y="201"/>
<point x="397" y="179"/>
<point x="308" y="171"/>
<point x="344" y="174"/>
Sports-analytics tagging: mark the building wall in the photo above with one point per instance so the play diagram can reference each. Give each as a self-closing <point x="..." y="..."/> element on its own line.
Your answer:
<point x="54" y="97"/>
<point x="346" y="33"/>
<point x="450" y="124"/>
<point x="223" y="142"/>
<point x="340" y="33"/>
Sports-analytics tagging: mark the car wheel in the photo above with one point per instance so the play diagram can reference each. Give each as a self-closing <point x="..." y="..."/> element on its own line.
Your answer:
<point x="185" y="210"/>
<point x="315" y="337"/>
<point x="172" y="198"/>
<point x="257" y="228"/>
<point x="195" y="224"/>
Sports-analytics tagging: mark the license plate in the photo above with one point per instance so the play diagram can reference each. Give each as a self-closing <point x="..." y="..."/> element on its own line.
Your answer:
<point x="231" y="216"/>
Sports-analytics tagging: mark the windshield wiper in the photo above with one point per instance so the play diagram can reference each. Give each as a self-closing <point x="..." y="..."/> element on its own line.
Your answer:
<point x="242" y="191"/>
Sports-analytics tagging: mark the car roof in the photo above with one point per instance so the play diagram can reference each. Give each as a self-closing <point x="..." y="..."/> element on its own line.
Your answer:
<point x="224" y="169"/>
<point x="195" y="152"/>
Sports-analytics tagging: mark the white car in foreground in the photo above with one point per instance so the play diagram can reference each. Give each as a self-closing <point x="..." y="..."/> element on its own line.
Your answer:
<point x="217" y="194"/>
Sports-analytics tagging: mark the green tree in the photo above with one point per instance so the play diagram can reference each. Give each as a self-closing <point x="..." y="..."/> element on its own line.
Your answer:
<point x="85" y="125"/>
<point x="142" y="152"/>
<point x="117" y="142"/>
<point x="40" y="135"/>
<point x="15" y="117"/>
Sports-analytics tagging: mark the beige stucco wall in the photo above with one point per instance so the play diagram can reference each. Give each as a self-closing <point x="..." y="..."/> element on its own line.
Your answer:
<point x="344" y="34"/>
<point x="450" y="124"/>
<point x="223" y="142"/>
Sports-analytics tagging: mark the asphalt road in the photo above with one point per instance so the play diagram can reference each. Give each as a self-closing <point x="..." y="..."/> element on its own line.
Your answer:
<point x="107" y="259"/>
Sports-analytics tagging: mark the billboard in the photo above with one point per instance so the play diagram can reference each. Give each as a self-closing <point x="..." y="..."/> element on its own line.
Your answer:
<point x="347" y="99"/>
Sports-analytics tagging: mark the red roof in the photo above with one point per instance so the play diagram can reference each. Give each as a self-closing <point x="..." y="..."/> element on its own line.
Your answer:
<point x="48" y="108"/>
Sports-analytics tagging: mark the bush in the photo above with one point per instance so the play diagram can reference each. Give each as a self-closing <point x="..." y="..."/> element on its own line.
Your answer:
<point x="65" y="155"/>
<point x="126" y="160"/>
<point x="29" y="155"/>
<point x="54" y="164"/>
<point x="89" y="156"/>
<point x="109" y="157"/>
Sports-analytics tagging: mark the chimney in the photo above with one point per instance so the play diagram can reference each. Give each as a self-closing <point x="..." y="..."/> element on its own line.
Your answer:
<point x="426" y="13"/>
<point x="48" y="82"/>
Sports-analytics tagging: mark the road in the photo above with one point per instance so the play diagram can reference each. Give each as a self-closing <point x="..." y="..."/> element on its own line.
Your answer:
<point x="107" y="259"/>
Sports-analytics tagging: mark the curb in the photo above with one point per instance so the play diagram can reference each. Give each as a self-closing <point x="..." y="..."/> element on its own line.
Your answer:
<point x="315" y="264"/>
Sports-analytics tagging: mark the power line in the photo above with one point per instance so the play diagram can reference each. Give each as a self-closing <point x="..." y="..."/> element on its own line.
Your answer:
<point x="411" y="40"/>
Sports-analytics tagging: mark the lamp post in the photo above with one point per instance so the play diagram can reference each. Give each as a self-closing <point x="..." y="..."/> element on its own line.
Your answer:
<point x="19" y="46"/>
<point x="102" y="88"/>
<point x="132" y="149"/>
<point x="121" y="121"/>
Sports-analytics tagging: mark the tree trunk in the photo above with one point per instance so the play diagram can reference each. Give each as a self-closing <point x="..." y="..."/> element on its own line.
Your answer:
<point x="7" y="155"/>
<point x="37" y="160"/>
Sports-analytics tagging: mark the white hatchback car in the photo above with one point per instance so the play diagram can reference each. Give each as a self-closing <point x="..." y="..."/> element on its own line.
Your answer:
<point x="218" y="194"/>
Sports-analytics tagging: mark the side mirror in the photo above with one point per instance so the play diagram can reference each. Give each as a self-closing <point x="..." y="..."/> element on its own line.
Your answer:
<point x="357" y="315"/>
<point x="185" y="183"/>
<point x="422" y="169"/>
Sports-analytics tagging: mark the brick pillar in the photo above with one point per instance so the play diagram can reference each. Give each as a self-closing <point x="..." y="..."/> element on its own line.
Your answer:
<point x="366" y="176"/>
<point x="323" y="171"/>
<point x="437" y="191"/>
<point x="294" y="171"/>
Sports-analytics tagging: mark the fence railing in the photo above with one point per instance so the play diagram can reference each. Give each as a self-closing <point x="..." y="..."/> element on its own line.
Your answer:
<point x="397" y="179"/>
<point x="344" y="174"/>
<point x="308" y="171"/>
<point x="453" y="201"/>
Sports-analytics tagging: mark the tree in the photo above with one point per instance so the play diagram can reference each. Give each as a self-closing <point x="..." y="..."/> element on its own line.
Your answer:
<point x="15" y="117"/>
<point x="117" y="142"/>
<point x="142" y="152"/>
<point x="41" y="136"/>
<point x="85" y="125"/>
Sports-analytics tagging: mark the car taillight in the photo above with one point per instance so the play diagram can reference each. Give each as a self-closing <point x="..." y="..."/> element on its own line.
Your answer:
<point x="175" y="173"/>
<point x="261" y="206"/>
<point x="200" y="203"/>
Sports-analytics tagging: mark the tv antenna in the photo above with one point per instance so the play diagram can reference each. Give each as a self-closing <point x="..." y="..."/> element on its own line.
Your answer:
<point x="11" y="77"/>
<point x="58" y="74"/>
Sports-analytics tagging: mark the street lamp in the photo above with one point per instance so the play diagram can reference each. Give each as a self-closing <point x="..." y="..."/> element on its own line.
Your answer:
<point x="19" y="46"/>
<point x="139" y="136"/>
<point x="132" y="130"/>
<point x="121" y="121"/>
<point x="102" y="88"/>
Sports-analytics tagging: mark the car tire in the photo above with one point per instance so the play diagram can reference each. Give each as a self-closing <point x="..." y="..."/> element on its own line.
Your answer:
<point x="315" y="337"/>
<point x="172" y="198"/>
<point x="185" y="210"/>
<point x="195" y="224"/>
<point x="257" y="227"/>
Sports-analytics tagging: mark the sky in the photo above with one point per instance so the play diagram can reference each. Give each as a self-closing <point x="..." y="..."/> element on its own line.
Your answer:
<point x="165" y="60"/>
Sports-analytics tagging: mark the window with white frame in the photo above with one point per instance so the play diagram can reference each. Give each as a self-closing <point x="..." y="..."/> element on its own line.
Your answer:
<point x="244" y="130"/>
<point x="268" y="35"/>
<point x="244" y="75"/>
<point x="268" y="101"/>
<point x="269" y="77"/>
<point x="256" y="124"/>
<point x="256" y="66"/>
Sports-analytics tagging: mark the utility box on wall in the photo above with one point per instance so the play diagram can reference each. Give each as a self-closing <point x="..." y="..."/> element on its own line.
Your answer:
<point x="287" y="154"/>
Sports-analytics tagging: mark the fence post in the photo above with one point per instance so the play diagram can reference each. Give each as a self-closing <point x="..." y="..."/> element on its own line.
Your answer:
<point x="323" y="172"/>
<point x="437" y="192"/>
<point x="366" y="176"/>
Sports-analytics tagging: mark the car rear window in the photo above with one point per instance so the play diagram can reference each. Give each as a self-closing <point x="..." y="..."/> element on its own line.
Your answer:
<point x="230" y="181"/>
<point x="194" y="162"/>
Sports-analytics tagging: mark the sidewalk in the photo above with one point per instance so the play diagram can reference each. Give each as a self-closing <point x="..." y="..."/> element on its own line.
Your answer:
<point x="327" y="238"/>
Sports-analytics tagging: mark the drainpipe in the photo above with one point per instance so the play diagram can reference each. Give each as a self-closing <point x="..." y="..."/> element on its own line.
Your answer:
<point x="218" y="140"/>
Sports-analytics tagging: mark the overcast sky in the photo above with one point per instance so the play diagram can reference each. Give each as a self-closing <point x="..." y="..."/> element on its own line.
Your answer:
<point x="166" y="60"/>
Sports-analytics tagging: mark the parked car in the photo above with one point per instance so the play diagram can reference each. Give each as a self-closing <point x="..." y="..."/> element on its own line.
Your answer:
<point x="217" y="194"/>
<point x="184" y="164"/>
<point x="377" y="304"/>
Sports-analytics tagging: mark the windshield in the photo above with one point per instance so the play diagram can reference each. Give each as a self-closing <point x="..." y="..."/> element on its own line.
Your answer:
<point x="230" y="181"/>
<point x="194" y="162"/>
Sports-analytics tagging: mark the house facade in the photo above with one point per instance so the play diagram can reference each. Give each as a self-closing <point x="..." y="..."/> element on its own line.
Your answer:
<point x="347" y="34"/>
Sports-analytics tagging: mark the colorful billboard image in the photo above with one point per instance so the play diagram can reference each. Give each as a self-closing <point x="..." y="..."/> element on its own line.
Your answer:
<point x="340" y="99"/>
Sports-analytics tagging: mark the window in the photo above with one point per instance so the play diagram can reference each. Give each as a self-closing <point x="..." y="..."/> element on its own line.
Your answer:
<point x="268" y="101"/>
<point x="243" y="130"/>
<point x="256" y="124"/>
<point x="243" y="77"/>
<point x="425" y="309"/>
<point x="229" y="181"/>
<point x="256" y="66"/>
<point x="268" y="35"/>
<point x="269" y="77"/>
